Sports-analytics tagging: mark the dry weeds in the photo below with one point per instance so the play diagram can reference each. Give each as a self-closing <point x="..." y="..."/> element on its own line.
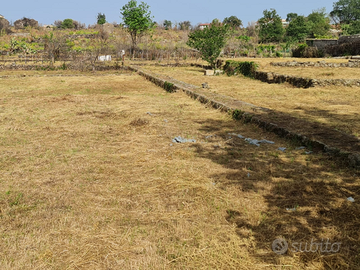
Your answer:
<point x="335" y="106"/>
<point x="90" y="180"/>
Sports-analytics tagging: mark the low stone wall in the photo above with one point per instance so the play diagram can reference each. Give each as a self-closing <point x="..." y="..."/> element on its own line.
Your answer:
<point x="47" y="67"/>
<point x="348" y="39"/>
<point x="271" y="77"/>
<point x="321" y="43"/>
<point x="227" y="105"/>
<point x="351" y="64"/>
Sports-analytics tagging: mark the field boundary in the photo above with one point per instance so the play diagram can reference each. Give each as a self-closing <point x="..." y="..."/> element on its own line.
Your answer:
<point x="250" y="113"/>
<point x="300" y="82"/>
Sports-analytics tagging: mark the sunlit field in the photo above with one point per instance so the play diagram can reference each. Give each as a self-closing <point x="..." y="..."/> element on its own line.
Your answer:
<point x="92" y="179"/>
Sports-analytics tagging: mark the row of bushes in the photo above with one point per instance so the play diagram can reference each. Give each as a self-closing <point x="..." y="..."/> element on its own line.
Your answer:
<point x="345" y="49"/>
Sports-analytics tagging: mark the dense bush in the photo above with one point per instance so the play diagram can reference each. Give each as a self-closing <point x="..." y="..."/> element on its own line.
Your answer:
<point x="245" y="68"/>
<point x="304" y="51"/>
<point x="344" y="49"/>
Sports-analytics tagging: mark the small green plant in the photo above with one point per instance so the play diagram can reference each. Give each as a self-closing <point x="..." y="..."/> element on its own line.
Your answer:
<point x="237" y="114"/>
<point x="169" y="87"/>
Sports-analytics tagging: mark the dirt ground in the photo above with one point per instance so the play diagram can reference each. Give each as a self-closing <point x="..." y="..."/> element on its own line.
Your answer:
<point x="91" y="179"/>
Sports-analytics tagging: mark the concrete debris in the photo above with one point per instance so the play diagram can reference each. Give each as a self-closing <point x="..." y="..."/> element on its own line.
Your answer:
<point x="237" y="135"/>
<point x="257" y="142"/>
<point x="179" y="139"/>
<point x="282" y="149"/>
<point x="103" y="58"/>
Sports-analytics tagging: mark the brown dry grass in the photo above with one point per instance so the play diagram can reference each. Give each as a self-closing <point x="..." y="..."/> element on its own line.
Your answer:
<point x="335" y="106"/>
<point x="89" y="180"/>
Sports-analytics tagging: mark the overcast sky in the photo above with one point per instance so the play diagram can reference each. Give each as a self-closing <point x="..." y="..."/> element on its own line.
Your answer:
<point x="195" y="11"/>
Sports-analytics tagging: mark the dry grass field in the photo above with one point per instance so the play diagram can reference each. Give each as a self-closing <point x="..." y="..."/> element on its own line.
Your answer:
<point x="90" y="179"/>
<point x="336" y="107"/>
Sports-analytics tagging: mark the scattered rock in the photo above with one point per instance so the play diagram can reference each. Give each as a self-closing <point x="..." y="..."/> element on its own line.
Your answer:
<point x="282" y="149"/>
<point x="205" y="85"/>
<point x="180" y="139"/>
<point x="257" y="142"/>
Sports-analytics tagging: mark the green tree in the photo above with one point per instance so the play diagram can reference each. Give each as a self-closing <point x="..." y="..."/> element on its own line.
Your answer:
<point x="233" y="21"/>
<point x="354" y="28"/>
<point x="185" y="25"/>
<point x="137" y="19"/>
<point x="209" y="41"/>
<point x="101" y="18"/>
<point x="270" y="27"/>
<point x="297" y="30"/>
<point x="167" y="24"/>
<point x="318" y="23"/>
<point x="346" y="11"/>
<point x="291" y="16"/>
<point x="67" y="24"/>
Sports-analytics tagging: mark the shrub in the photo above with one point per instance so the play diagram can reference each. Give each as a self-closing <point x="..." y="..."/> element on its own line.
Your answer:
<point x="344" y="49"/>
<point x="304" y="51"/>
<point x="169" y="87"/>
<point x="245" y="68"/>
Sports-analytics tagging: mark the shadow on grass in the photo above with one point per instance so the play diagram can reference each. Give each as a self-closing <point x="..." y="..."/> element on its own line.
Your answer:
<point x="347" y="123"/>
<point x="304" y="201"/>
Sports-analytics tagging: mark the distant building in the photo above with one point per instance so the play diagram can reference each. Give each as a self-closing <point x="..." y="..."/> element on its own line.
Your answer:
<point x="203" y="26"/>
<point x="284" y="22"/>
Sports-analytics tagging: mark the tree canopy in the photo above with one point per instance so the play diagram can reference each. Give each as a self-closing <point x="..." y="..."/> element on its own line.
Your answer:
<point x="270" y="27"/>
<point x="67" y="24"/>
<point x="297" y="29"/>
<point x="233" y="21"/>
<point x="318" y="23"/>
<point x="346" y="11"/>
<point x="137" y="19"/>
<point x="101" y="18"/>
<point x="167" y="24"/>
<point x="209" y="41"/>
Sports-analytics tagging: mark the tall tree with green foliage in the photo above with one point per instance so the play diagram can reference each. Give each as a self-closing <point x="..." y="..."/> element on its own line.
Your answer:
<point x="297" y="29"/>
<point x="270" y="27"/>
<point x="209" y="41"/>
<point x="291" y="16"/>
<point x="318" y="23"/>
<point x="233" y="21"/>
<point x="354" y="28"/>
<point x="346" y="11"/>
<point x="137" y="20"/>
<point x="101" y="18"/>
